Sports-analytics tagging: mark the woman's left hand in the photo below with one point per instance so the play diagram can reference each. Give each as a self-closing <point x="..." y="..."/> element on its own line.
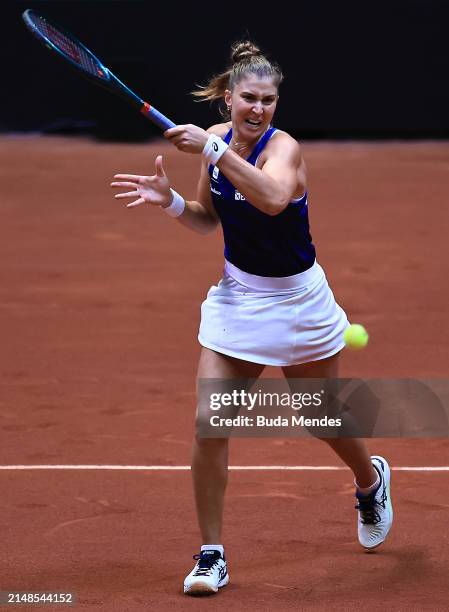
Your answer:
<point x="187" y="138"/>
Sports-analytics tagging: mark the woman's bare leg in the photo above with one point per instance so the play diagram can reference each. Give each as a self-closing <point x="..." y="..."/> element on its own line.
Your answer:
<point x="210" y="455"/>
<point x="351" y="451"/>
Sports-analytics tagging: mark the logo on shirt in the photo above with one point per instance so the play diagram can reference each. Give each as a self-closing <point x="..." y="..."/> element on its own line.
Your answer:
<point x="215" y="172"/>
<point x="238" y="195"/>
<point x="215" y="190"/>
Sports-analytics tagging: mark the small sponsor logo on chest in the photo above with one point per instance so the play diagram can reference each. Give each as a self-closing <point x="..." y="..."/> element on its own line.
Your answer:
<point x="238" y="196"/>
<point x="215" y="172"/>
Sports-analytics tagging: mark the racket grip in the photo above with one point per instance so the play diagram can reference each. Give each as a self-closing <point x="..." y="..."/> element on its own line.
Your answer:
<point x="156" y="117"/>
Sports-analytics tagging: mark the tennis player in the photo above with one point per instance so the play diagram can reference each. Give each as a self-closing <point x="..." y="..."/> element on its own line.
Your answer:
<point x="253" y="183"/>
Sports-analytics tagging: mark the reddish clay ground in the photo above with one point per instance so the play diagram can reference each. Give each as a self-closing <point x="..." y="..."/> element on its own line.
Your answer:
<point x="100" y="309"/>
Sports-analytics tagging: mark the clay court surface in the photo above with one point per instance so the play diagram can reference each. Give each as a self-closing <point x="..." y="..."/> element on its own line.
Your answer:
<point x="99" y="317"/>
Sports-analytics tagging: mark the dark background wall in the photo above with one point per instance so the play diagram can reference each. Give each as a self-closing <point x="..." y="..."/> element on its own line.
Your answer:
<point x="352" y="69"/>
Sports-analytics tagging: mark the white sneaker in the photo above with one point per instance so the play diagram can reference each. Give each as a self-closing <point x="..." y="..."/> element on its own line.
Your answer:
<point x="375" y="510"/>
<point x="209" y="574"/>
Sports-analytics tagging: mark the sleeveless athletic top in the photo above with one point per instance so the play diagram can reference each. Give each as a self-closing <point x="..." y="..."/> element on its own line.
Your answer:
<point x="255" y="242"/>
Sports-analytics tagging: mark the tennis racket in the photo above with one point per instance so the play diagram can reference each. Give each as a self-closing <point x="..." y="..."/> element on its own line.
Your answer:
<point x="66" y="46"/>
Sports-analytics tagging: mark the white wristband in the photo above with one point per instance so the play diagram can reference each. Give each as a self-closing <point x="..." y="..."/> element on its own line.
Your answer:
<point x="177" y="206"/>
<point x="214" y="149"/>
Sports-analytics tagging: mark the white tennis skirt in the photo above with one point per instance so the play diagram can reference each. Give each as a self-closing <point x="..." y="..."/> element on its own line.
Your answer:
<point x="272" y="321"/>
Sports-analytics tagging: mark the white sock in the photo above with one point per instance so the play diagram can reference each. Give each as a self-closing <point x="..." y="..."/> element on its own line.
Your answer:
<point x="218" y="547"/>
<point x="370" y="489"/>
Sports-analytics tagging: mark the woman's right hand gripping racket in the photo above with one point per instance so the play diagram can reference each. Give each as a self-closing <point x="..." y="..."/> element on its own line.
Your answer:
<point x="69" y="48"/>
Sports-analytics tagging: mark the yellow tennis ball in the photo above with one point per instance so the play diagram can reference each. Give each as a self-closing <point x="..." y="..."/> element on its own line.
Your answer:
<point x="355" y="337"/>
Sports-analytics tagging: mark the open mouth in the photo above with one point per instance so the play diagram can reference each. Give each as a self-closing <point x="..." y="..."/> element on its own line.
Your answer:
<point x="253" y="122"/>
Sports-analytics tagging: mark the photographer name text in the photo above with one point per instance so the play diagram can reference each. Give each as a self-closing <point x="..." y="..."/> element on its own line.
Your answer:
<point x="278" y="421"/>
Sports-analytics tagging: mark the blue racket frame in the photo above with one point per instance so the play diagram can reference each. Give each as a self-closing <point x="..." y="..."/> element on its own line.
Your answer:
<point x="104" y="77"/>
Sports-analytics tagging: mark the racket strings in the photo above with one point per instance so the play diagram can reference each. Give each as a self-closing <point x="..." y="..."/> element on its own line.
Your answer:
<point x="69" y="47"/>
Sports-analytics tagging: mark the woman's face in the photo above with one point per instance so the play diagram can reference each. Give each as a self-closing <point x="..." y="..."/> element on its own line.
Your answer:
<point x="253" y="102"/>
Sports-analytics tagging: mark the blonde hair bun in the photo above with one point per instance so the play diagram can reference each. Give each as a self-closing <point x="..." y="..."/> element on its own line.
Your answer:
<point x="246" y="58"/>
<point x="244" y="51"/>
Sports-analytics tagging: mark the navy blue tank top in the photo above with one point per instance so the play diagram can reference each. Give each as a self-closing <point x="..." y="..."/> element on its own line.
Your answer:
<point x="255" y="242"/>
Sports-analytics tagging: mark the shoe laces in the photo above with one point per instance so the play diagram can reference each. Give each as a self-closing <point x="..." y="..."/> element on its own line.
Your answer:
<point x="206" y="563"/>
<point x="367" y="506"/>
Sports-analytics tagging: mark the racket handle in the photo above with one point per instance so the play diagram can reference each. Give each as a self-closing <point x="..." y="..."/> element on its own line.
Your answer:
<point x="156" y="117"/>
